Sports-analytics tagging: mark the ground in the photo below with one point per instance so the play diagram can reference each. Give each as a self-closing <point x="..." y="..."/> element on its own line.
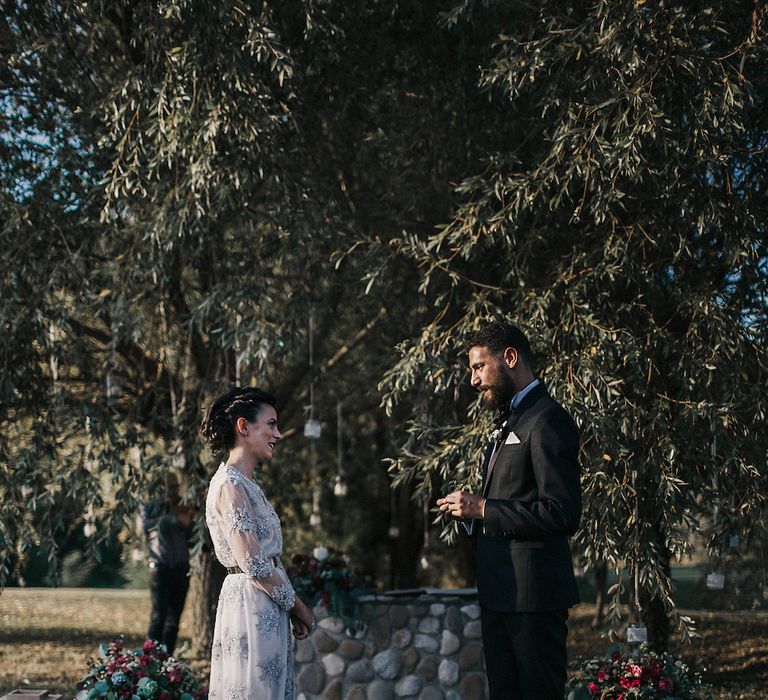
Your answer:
<point x="46" y="635"/>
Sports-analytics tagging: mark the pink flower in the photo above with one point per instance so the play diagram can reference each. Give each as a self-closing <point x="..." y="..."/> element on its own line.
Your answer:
<point x="594" y="688"/>
<point x="174" y="675"/>
<point x="665" y="685"/>
<point x="144" y="660"/>
<point x="635" y="670"/>
<point x="625" y="683"/>
<point x="601" y="675"/>
<point x="148" y="646"/>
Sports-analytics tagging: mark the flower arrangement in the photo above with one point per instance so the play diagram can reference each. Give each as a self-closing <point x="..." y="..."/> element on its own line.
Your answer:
<point x="645" y="675"/>
<point x="325" y="578"/>
<point x="147" y="673"/>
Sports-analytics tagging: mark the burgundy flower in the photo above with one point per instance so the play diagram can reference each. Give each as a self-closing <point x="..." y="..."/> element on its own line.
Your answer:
<point x="148" y="646"/>
<point x="594" y="688"/>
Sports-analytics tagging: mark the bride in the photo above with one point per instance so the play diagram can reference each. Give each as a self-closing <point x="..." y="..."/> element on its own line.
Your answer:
<point x="252" y="655"/>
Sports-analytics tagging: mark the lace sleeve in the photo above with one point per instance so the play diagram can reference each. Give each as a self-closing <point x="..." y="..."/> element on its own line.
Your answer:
<point x="236" y="513"/>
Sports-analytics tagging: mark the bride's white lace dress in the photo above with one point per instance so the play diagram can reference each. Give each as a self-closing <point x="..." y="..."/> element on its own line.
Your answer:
<point x="252" y="656"/>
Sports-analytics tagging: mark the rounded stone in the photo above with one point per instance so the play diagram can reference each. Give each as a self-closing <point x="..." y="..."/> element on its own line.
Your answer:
<point x="437" y="609"/>
<point x="431" y="693"/>
<point x="324" y="643"/>
<point x="360" y="671"/>
<point x="402" y="638"/>
<point x="399" y="616"/>
<point x="379" y="632"/>
<point x="408" y="686"/>
<point x="429" y="625"/>
<point x="472" y="611"/>
<point x="351" y="649"/>
<point x="427" y="643"/>
<point x="410" y="658"/>
<point x="418" y="610"/>
<point x="305" y="651"/>
<point x="427" y="669"/>
<point x="448" y="673"/>
<point x="450" y="643"/>
<point x="333" y="690"/>
<point x="387" y="664"/>
<point x="472" y="630"/>
<point x="355" y="693"/>
<point x="311" y="679"/>
<point x="471" y="656"/>
<point x="454" y="620"/>
<point x="334" y="664"/>
<point x="381" y="690"/>
<point x="473" y="686"/>
<point x="332" y="624"/>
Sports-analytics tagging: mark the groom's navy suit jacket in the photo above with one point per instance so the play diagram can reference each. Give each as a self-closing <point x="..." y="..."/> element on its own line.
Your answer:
<point x="534" y="504"/>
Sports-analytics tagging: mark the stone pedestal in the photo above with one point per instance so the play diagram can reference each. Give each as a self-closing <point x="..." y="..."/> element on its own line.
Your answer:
<point x="29" y="694"/>
<point x="421" y="644"/>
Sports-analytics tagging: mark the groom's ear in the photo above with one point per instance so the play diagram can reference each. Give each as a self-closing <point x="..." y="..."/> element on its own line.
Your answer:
<point x="511" y="357"/>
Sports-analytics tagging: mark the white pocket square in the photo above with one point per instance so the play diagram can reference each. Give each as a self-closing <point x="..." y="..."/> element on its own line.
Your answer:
<point x="512" y="439"/>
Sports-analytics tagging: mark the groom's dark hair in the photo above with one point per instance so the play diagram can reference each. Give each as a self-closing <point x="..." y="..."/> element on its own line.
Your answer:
<point x="497" y="336"/>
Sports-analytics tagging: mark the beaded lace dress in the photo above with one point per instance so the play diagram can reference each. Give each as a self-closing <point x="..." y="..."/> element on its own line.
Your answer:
<point x="252" y="655"/>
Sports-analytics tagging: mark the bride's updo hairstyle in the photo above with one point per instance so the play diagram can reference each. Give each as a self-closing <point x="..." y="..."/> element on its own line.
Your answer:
<point x="218" y="426"/>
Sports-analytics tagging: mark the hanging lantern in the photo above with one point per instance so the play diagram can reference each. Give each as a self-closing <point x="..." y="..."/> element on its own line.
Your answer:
<point x="716" y="581"/>
<point x="393" y="532"/>
<point x="637" y="633"/>
<point x="312" y="429"/>
<point x="339" y="487"/>
<point x="315" y="520"/>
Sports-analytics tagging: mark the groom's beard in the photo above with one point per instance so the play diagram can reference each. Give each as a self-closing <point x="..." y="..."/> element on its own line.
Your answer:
<point x="502" y="391"/>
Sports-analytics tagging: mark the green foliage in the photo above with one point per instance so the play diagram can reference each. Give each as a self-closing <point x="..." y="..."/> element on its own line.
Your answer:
<point x="182" y="184"/>
<point x="620" y="222"/>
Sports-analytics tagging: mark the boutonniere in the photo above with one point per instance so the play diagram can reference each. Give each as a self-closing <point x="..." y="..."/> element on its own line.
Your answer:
<point x="495" y="435"/>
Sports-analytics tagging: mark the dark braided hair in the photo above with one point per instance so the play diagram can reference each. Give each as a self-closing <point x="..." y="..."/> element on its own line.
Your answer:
<point x="218" y="425"/>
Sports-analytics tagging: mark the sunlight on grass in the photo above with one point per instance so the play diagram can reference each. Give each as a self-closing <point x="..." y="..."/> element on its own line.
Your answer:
<point x="47" y="634"/>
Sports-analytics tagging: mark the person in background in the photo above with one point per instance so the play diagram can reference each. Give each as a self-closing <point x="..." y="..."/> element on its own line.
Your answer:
<point x="168" y="527"/>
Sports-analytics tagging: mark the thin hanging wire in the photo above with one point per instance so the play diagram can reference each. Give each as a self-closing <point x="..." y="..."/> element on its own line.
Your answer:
<point x="311" y="368"/>
<point x="638" y="604"/>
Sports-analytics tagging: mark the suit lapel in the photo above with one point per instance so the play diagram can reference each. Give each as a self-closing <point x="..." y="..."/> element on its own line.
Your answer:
<point x="511" y="421"/>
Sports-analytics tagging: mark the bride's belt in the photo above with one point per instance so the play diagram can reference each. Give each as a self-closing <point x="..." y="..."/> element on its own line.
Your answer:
<point x="237" y="570"/>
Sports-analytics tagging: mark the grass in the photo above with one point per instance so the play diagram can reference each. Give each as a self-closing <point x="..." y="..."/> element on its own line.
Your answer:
<point x="46" y="636"/>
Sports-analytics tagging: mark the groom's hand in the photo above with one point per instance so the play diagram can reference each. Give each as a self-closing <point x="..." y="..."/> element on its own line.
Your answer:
<point x="461" y="504"/>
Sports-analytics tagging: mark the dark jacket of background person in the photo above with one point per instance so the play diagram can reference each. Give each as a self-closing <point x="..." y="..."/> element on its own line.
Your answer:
<point x="168" y="542"/>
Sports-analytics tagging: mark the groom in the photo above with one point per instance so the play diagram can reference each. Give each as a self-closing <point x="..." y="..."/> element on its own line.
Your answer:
<point x="530" y="504"/>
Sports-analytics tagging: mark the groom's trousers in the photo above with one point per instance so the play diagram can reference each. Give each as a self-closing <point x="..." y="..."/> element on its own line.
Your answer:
<point x="525" y="654"/>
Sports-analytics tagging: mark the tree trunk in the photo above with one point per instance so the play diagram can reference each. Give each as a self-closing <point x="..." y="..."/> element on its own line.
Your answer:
<point x="654" y="615"/>
<point x="206" y="583"/>
<point x="601" y="578"/>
